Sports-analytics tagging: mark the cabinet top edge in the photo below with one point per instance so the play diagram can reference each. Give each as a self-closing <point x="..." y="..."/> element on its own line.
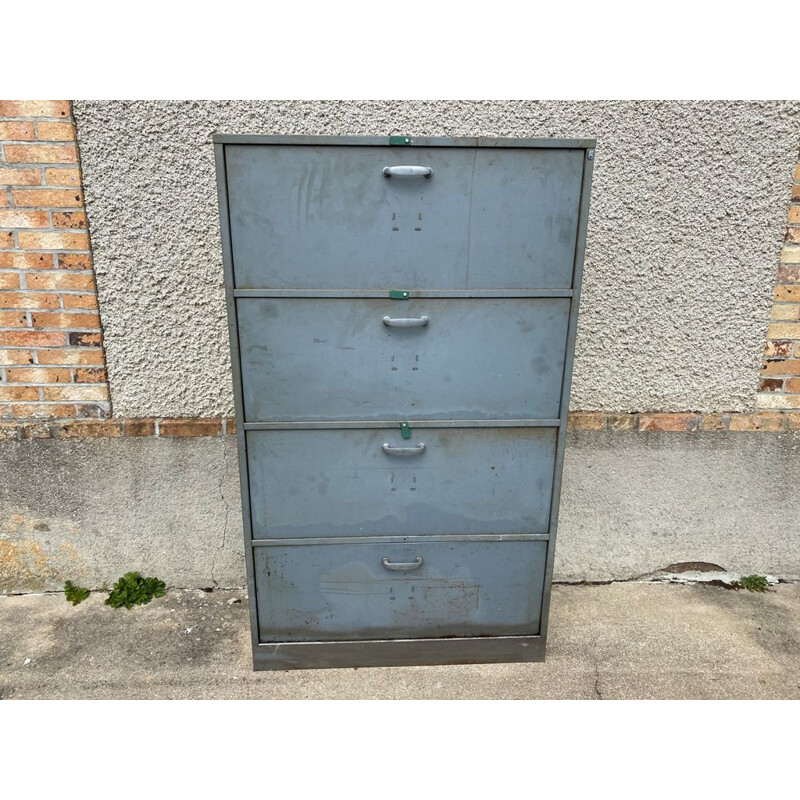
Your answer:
<point x="414" y="141"/>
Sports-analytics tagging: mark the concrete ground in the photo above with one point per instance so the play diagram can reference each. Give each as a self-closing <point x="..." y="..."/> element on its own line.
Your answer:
<point x="618" y="641"/>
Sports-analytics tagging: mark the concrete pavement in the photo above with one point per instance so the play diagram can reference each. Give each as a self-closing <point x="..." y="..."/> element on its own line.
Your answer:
<point x="617" y="641"/>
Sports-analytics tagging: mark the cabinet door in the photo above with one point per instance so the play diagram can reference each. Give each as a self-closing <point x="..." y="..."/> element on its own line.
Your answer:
<point x="314" y="359"/>
<point x="327" y="217"/>
<point x="391" y="590"/>
<point x="329" y="483"/>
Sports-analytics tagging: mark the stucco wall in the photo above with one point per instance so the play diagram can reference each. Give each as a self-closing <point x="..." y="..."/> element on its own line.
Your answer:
<point x="688" y="212"/>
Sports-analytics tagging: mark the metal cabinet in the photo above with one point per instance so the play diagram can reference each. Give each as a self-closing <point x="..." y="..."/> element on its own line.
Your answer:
<point x="402" y="318"/>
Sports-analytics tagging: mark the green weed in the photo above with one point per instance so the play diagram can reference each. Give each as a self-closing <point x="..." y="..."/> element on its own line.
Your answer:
<point x="75" y="594"/>
<point x="134" y="590"/>
<point x="753" y="583"/>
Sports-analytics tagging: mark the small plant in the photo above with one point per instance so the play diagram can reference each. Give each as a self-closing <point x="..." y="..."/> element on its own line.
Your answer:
<point x="753" y="583"/>
<point x="75" y="594"/>
<point x="134" y="590"/>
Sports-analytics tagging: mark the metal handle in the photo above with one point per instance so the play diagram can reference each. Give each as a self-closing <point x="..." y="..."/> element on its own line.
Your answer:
<point x="402" y="566"/>
<point x="405" y="322"/>
<point x="407" y="170"/>
<point x="404" y="451"/>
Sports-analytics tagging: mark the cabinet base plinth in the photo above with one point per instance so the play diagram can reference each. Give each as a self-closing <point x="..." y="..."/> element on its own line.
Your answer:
<point x="398" y="652"/>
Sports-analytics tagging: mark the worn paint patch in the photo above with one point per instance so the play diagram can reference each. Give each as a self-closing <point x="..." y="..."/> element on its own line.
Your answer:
<point x="30" y="562"/>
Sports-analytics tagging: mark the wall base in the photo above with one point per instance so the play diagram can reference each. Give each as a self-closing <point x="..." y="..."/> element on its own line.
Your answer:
<point x="632" y="503"/>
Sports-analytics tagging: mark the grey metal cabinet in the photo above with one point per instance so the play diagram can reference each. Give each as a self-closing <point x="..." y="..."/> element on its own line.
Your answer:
<point x="402" y="317"/>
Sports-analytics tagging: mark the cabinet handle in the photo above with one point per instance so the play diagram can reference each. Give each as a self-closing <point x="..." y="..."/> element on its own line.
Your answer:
<point x="404" y="170"/>
<point x="404" y="451"/>
<point x="405" y="322"/>
<point x="401" y="566"/>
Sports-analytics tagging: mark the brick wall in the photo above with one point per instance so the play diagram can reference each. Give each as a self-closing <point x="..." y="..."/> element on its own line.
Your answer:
<point x="779" y="388"/>
<point x="52" y="364"/>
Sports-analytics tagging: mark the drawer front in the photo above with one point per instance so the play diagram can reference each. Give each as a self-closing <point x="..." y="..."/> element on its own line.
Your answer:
<point x="313" y="359"/>
<point x="335" y="592"/>
<point x="328" y="218"/>
<point x="328" y="483"/>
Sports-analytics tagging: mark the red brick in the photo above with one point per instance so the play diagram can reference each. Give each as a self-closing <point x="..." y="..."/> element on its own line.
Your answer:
<point x="586" y="421"/>
<point x="41" y="153"/>
<point x="786" y="366"/>
<point x="622" y="422"/>
<point x="65" y="281"/>
<point x="76" y="393"/>
<point x="15" y="357"/>
<point x="34" y="430"/>
<point x="20" y="177"/>
<point x="783" y="330"/>
<point x="787" y="273"/>
<point x="7" y="240"/>
<point x="69" y="355"/>
<point x="787" y="294"/>
<point x="794" y="215"/>
<point x="63" y="319"/>
<point x="770" y="385"/>
<point x="9" y="280"/>
<point x="13" y="319"/>
<point x="763" y="421"/>
<point x="28" y="300"/>
<point x="53" y="241"/>
<point x="140" y="427"/>
<point x="93" y="429"/>
<point x="38" y="375"/>
<point x="776" y="348"/>
<point x="792" y="236"/>
<point x="90" y="376"/>
<point x="190" y="427"/>
<point x="80" y="300"/>
<point x="70" y="219"/>
<point x="669" y="422"/>
<point x="32" y="338"/>
<point x="26" y="260"/>
<point x="55" y="131"/>
<point x="43" y="411"/>
<point x="714" y="422"/>
<point x="52" y="198"/>
<point x="16" y="131"/>
<point x="85" y="339"/>
<point x="75" y="261"/>
<point x="62" y="177"/>
<point x="9" y="431"/>
<point x="230" y="426"/>
<point x="15" y="218"/>
<point x="793" y="385"/>
<point x="15" y="394"/>
<point x="34" y="108"/>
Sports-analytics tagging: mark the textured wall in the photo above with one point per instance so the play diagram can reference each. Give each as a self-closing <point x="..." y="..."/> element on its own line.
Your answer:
<point x="688" y="212"/>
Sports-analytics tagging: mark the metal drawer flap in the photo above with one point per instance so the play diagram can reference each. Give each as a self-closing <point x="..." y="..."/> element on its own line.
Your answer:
<point x="423" y="358"/>
<point x="326" y="483"/>
<point x="335" y="592"/>
<point x="328" y="217"/>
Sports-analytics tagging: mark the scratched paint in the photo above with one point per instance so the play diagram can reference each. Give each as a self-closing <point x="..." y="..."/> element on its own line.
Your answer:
<point x="346" y="358"/>
<point x="310" y="483"/>
<point x="334" y="592"/>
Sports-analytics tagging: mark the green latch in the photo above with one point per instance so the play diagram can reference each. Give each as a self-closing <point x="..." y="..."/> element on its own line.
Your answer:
<point x="405" y="430"/>
<point x="399" y="140"/>
<point x="397" y="294"/>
